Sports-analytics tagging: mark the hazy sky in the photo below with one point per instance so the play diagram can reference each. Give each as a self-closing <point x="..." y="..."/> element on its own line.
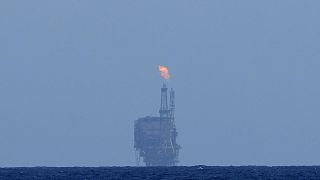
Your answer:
<point x="74" y="75"/>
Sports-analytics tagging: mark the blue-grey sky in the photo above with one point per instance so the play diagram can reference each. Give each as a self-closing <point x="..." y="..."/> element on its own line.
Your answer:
<point x="74" y="75"/>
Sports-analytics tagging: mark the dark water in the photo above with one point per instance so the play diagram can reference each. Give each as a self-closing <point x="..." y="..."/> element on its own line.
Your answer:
<point x="180" y="172"/>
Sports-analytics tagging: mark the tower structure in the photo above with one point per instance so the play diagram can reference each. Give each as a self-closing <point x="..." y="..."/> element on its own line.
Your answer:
<point x="155" y="137"/>
<point x="172" y="103"/>
<point x="164" y="111"/>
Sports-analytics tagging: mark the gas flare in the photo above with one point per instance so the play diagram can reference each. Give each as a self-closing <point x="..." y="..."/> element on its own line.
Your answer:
<point x="164" y="72"/>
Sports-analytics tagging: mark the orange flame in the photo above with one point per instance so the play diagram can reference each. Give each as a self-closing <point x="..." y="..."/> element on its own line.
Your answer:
<point x="164" y="72"/>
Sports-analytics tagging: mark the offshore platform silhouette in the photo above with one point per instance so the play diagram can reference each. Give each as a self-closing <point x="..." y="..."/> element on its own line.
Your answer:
<point x="155" y="137"/>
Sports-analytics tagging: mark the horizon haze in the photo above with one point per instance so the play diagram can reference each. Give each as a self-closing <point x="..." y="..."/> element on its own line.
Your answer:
<point x="74" y="75"/>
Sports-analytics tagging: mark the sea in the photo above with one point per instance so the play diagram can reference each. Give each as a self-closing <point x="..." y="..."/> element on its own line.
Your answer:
<point x="176" y="172"/>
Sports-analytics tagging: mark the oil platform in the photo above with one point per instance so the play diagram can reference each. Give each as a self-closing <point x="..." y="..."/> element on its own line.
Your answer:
<point x="155" y="137"/>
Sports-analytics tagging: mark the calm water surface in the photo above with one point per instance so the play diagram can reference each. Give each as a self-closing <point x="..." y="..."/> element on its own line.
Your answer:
<point x="179" y="172"/>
